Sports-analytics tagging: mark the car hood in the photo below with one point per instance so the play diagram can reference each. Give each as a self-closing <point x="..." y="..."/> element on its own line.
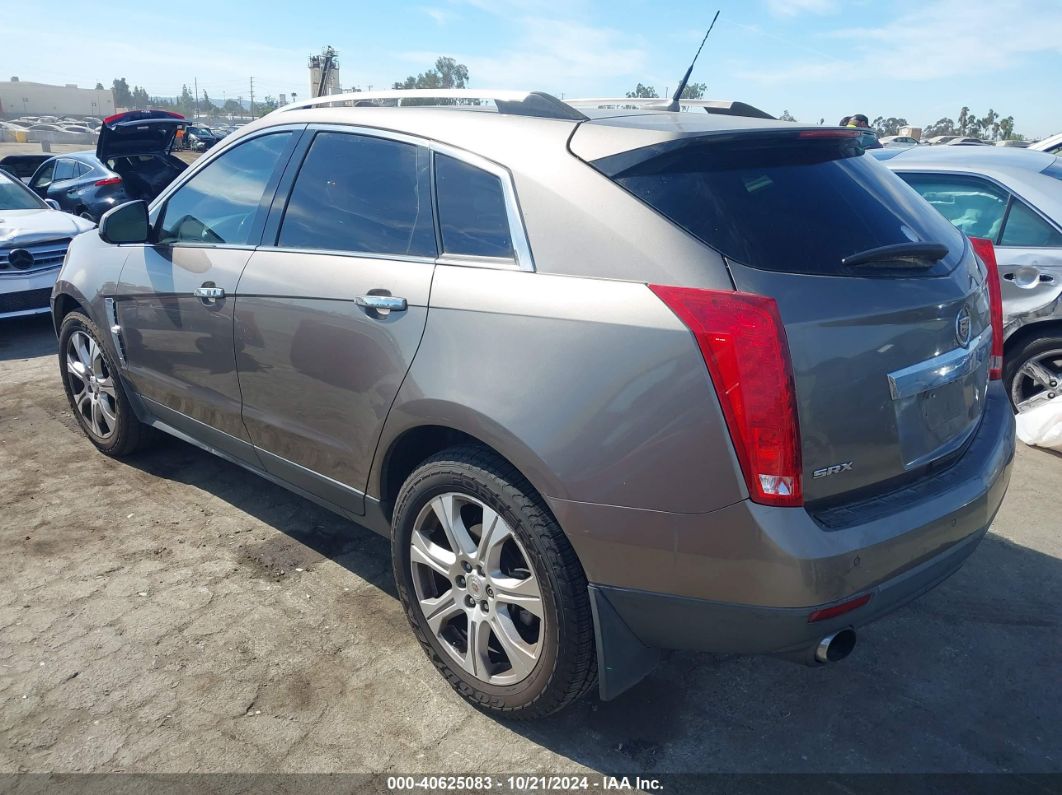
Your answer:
<point x="26" y="227"/>
<point x="138" y="132"/>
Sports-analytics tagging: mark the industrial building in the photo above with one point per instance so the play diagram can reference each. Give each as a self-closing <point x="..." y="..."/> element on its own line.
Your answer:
<point x="22" y="98"/>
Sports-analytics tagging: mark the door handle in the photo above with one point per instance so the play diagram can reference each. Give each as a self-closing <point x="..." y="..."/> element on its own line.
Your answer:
<point x="209" y="294"/>
<point x="382" y="303"/>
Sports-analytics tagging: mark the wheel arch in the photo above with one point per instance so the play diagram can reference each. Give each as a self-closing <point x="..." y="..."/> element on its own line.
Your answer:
<point x="407" y="442"/>
<point x="65" y="303"/>
<point x="1043" y="328"/>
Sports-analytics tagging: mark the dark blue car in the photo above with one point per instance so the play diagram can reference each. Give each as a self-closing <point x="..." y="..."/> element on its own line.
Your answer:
<point x="132" y="161"/>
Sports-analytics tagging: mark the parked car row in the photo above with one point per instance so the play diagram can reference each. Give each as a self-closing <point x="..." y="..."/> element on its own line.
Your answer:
<point x="610" y="382"/>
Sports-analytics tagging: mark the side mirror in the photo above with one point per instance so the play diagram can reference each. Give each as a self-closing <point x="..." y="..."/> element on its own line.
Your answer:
<point x="126" y="223"/>
<point x="53" y="204"/>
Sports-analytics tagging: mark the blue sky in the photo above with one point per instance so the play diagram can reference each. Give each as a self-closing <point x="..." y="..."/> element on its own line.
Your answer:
<point x="920" y="59"/>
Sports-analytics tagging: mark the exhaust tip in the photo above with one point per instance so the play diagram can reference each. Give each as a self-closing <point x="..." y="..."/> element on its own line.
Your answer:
<point x="835" y="647"/>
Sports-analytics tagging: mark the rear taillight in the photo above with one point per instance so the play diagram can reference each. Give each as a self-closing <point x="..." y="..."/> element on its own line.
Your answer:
<point x="108" y="181"/>
<point x="987" y="252"/>
<point x="743" y="342"/>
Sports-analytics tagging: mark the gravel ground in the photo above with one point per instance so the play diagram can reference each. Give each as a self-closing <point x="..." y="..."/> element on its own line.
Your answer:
<point x="173" y="613"/>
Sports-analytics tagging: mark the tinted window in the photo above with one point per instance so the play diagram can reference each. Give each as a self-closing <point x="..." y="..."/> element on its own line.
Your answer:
<point x="472" y="213"/>
<point x="14" y="196"/>
<point x="358" y="193"/>
<point x="83" y="169"/>
<point x="799" y="206"/>
<point x="220" y="203"/>
<point x="973" y="205"/>
<point x="44" y="176"/>
<point x="1025" y="228"/>
<point x="65" y="169"/>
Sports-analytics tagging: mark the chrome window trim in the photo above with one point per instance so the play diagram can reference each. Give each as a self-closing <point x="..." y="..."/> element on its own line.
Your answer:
<point x="413" y="258"/>
<point x="522" y="260"/>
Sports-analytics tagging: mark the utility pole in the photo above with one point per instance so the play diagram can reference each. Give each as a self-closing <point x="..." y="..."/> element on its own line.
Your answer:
<point x="252" y="97"/>
<point x="195" y="81"/>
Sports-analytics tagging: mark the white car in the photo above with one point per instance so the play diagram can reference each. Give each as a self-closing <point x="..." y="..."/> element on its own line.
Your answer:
<point x="1012" y="197"/>
<point x="898" y="141"/>
<point x="33" y="240"/>
<point x="1052" y="144"/>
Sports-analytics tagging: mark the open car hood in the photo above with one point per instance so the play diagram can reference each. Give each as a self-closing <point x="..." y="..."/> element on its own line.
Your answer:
<point x="138" y="132"/>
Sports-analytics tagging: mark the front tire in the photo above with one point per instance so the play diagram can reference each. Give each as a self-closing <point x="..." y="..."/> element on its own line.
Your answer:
<point x="491" y="586"/>
<point x="95" y="390"/>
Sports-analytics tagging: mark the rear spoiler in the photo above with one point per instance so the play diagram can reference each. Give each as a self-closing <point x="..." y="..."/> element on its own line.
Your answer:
<point x="721" y="107"/>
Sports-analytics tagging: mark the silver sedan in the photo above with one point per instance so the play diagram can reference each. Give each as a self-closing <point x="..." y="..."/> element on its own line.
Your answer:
<point x="1013" y="197"/>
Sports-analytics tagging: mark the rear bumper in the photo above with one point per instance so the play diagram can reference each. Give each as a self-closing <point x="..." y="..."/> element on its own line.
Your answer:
<point x="744" y="579"/>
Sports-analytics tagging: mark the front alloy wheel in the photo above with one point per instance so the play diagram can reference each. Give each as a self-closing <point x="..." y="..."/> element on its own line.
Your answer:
<point x="92" y="390"/>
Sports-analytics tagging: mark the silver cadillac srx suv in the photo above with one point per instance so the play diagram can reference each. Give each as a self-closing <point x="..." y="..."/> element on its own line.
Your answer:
<point x="612" y="382"/>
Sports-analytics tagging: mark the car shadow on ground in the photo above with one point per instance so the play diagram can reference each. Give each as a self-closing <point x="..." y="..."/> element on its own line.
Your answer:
<point x="964" y="679"/>
<point x="953" y="682"/>
<point x="26" y="337"/>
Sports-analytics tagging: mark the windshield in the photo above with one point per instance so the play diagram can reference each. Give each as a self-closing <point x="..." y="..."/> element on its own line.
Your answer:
<point x="14" y="196"/>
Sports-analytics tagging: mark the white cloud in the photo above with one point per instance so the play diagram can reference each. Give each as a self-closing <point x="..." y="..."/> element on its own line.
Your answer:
<point x="941" y="39"/>
<point x="792" y="8"/>
<point x="555" y="55"/>
<point x="440" y="15"/>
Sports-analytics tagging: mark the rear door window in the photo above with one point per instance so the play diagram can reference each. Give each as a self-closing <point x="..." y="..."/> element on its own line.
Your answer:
<point x="358" y="193"/>
<point x="779" y="202"/>
<point x="472" y="215"/>
<point x="1025" y="228"/>
<point x="220" y="204"/>
<point x="974" y="206"/>
<point x="65" y="169"/>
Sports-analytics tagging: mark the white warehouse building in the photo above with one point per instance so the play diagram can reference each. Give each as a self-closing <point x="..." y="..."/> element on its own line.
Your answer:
<point x="21" y="97"/>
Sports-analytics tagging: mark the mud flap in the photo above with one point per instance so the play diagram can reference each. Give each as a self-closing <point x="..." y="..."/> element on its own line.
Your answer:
<point x="622" y="659"/>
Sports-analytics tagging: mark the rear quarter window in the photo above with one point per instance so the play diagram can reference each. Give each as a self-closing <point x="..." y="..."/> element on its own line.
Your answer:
<point x="782" y="204"/>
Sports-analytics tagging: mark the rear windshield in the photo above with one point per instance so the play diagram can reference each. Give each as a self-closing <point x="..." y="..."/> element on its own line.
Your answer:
<point x="783" y="204"/>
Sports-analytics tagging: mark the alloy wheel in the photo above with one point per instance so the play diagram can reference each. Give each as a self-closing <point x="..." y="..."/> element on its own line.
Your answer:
<point x="1038" y="380"/>
<point x="476" y="589"/>
<point x="91" y="384"/>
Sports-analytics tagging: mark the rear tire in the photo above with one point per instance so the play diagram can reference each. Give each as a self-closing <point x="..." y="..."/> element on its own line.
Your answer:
<point x="1029" y="369"/>
<point x="510" y="628"/>
<point x="95" y="391"/>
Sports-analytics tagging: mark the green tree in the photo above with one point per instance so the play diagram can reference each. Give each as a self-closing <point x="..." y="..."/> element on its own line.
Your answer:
<point x="694" y="90"/>
<point x="643" y="92"/>
<point x="123" y="97"/>
<point x="963" y="127"/>
<point x="140" y="98"/>
<point x="99" y="87"/>
<point x="232" y="106"/>
<point x="888" y="126"/>
<point x="206" y="107"/>
<point x="1006" y="130"/>
<point x="943" y="126"/>
<point x="787" y="116"/>
<point x="447" y="73"/>
<point x="268" y="105"/>
<point x="989" y="124"/>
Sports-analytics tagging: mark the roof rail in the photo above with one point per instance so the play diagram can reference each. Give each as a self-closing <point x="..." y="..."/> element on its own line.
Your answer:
<point x="723" y="107"/>
<point x="517" y="103"/>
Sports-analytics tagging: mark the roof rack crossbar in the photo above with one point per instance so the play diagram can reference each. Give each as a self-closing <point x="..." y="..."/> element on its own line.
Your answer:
<point x="517" y="103"/>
